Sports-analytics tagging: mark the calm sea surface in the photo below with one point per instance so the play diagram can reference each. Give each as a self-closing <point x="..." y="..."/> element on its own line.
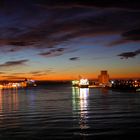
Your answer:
<point x="62" y="112"/>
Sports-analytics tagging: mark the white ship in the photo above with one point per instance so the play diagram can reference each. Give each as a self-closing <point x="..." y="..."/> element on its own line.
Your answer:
<point x="82" y="83"/>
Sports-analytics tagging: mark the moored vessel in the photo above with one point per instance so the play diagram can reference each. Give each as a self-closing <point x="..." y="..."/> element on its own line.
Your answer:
<point x="82" y="83"/>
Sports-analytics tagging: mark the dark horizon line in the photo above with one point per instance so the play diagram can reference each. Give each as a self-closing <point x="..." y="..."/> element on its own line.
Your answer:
<point x="90" y="79"/>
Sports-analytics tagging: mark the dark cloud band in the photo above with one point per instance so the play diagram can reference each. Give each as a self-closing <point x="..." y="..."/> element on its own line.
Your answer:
<point x="127" y="55"/>
<point x="13" y="63"/>
<point x="74" y="58"/>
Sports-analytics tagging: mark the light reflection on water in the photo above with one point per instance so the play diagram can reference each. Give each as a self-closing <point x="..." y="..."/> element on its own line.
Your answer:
<point x="80" y="105"/>
<point x="9" y="100"/>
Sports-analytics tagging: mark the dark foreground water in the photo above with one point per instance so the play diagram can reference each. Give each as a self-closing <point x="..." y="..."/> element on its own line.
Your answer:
<point x="63" y="112"/>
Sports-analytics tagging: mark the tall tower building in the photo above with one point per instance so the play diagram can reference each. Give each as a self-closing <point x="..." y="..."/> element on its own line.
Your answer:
<point x="103" y="77"/>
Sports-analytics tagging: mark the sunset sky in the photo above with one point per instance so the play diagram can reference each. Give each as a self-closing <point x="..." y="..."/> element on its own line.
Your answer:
<point x="62" y="39"/>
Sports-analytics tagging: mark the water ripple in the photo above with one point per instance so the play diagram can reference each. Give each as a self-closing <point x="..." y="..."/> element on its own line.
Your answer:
<point x="68" y="113"/>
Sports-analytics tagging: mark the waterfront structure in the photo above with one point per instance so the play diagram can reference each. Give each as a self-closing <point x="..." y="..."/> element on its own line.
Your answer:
<point x="75" y="83"/>
<point x="126" y="84"/>
<point x="16" y="85"/>
<point x="82" y="83"/>
<point x="103" y="78"/>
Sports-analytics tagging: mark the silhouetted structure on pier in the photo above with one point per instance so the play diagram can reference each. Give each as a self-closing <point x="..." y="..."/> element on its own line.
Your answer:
<point x="103" y="78"/>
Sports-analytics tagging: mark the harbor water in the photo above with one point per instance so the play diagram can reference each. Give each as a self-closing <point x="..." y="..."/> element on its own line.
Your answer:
<point x="59" y="111"/>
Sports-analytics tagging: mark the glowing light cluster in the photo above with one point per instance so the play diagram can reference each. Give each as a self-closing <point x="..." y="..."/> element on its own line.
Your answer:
<point x="84" y="82"/>
<point x="75" y="82"/>
<point x="12" y="85"/>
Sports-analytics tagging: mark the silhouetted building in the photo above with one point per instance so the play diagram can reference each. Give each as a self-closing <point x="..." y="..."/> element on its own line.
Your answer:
<point x="103" y="78"/>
